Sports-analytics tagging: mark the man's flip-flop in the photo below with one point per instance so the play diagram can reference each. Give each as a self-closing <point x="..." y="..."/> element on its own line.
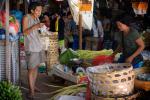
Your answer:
<point x="31" y="97"/>
<point x="37" y="89"/>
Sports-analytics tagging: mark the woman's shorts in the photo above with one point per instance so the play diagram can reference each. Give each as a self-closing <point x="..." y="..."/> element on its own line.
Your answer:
<point x="34" y="59"/>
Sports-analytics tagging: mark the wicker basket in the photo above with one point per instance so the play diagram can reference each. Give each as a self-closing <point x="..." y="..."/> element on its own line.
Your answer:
<point x="129" y="97"/>
<point x="111" y="79"/>
<point x="52" y="53"/>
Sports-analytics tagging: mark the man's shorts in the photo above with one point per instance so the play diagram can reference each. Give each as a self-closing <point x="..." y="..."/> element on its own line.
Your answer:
<point x="34" y="59"/>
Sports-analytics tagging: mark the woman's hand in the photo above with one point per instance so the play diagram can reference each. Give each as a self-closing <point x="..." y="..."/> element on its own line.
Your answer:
<point x="129" y="59"/>
<point x="39" y="25"/>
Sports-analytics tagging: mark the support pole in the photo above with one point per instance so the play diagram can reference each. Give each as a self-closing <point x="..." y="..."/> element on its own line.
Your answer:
<point x="80" y="31"/>
<point x="8" y="57"/>
<point x="26" y="6"/>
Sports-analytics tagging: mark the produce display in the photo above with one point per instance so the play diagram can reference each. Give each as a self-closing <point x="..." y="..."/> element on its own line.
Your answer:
<point x="76" y="62"/>
<point x="87" y="54"/>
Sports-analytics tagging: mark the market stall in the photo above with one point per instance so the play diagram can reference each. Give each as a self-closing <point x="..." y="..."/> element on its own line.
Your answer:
<point x="104" y="78"/>
<point x="96" y="74"/>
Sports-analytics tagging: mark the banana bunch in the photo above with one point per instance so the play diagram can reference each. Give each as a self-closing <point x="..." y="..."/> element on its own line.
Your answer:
<point x="9" y="91"/>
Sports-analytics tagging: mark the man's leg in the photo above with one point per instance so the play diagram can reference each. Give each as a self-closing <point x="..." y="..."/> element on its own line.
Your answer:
<point x="35" y="78"/>
<point x="31" y="81"/>
<point x="33" y="70"/>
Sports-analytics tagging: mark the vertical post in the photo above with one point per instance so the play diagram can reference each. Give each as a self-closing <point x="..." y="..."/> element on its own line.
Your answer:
<point x="26" y="6"/>
<point x="80" y="31"/>
<point x="8" y="73"/>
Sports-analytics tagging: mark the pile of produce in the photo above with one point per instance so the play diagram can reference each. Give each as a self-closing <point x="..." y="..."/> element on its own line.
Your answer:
<point x="9" y="92"/>
<point x="70" y="90"/>
<point x="87" y="54"/>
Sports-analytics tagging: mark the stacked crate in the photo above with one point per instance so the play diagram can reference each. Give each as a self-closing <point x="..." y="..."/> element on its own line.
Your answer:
<point x="14" y="68"/>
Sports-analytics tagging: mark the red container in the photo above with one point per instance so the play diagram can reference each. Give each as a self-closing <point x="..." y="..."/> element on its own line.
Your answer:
<point x="99" y="60"/>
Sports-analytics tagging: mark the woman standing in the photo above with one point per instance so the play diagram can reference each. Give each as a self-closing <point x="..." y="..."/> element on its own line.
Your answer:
<point x="32" y="41"/>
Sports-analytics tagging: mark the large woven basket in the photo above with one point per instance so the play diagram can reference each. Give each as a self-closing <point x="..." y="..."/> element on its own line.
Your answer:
<point x="52" y="53"/>
<point x="111" y="79"/>
<point x="133" y="96"/>
<point x="49" y="41"/>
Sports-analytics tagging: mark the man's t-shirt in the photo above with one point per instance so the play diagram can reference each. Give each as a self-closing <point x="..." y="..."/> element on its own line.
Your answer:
<point x="130" y="45"/>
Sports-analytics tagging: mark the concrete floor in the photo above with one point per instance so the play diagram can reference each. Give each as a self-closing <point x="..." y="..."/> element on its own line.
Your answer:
<point x="44" y="83"/>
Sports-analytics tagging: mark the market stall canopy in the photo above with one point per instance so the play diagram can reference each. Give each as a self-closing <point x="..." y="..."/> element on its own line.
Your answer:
<point x="85" y="8"/>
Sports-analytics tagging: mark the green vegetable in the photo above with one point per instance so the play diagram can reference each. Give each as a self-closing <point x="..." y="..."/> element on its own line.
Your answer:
<point x="66" y="56"/>
<point x="87" y="54"/>
<point x="9" y="91"/>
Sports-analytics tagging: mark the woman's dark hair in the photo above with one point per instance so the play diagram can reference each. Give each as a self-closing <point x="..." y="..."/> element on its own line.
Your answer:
<point x="33" y="5"/>
<point x="125" y="19"/>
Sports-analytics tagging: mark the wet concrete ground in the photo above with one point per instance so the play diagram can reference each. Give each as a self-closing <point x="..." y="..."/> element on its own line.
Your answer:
<point x="44" y="83"/>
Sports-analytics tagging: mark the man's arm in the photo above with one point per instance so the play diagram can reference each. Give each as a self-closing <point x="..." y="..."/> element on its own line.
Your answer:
<point x="27" y="30"/>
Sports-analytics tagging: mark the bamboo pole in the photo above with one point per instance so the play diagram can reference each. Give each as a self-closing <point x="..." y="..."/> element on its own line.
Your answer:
<point x="8" y="72"/>
<point x="80" y="31"/>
